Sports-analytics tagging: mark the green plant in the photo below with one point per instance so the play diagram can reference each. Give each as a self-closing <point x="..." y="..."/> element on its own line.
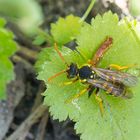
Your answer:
<point x="120" y="120"/>
<point x="7" y="49"/>
<point x="121" y="117"/>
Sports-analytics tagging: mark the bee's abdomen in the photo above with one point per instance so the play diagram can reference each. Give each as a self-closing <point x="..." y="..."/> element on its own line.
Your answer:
<point x="116" y="90"/>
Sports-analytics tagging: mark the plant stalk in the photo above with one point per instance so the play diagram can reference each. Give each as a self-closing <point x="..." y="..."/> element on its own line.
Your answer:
<point x="88" y="10"/>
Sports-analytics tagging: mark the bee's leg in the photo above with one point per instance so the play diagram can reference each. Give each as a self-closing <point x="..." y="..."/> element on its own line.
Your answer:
<point x="120" y="67"/>
<point x="69" y="83"/>
<point x="100" y="101"/>
<point x="91" y="89"/>
<point x="77" y="95"/>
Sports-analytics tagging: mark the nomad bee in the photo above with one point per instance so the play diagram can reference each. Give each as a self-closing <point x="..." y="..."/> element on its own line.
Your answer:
<point x="114" y="82"/>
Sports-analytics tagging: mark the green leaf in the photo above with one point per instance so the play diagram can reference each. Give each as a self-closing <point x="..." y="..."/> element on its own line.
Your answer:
<point x="2" y="22"/>
<point x="43" y="36"/>
<point x="7" y="48"/>
<point x="121" y="120"/>
<point x="65" y="30"/>
<point x="42" y="57"/>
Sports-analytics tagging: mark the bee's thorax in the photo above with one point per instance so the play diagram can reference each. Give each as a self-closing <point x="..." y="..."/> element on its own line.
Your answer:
<point x="85" y="72"/>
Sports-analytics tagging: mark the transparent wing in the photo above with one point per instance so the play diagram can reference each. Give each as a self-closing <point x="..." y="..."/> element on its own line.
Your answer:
<point x="116" y="76"/>
<point x="117" y="90"/>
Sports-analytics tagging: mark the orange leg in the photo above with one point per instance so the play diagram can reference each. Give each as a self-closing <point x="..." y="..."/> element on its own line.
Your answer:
<point x="77" y="95"/>
<point x="98" y="99"/>
<point x="69" y="83"/>
<point x="120" y="67"/>
<point x="100" y="102"/>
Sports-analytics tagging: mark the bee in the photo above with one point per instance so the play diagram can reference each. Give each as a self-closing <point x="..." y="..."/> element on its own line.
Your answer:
<point x="114" y="82"/>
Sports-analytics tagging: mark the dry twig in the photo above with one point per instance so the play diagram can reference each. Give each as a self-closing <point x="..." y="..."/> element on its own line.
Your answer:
<point x="26" y="125"/>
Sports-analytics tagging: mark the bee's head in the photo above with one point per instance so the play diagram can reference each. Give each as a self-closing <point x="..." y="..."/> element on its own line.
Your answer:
<point x="86" y="72"/>
<point x="72" y="71"/>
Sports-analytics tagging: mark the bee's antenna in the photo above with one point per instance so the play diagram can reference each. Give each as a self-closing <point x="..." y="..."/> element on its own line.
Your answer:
<point x="63" y="59"/>
<point x="60" y="54"/>
<point x="57" y="74"/>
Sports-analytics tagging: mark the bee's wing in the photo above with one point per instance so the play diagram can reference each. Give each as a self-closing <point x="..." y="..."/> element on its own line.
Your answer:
<point x="113" y="89"/>
<point x="116" y="76"/>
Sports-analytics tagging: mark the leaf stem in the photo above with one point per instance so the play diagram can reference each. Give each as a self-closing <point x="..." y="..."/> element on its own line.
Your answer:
<point x="46" y="35"/>
<point x="88" y="10"/>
